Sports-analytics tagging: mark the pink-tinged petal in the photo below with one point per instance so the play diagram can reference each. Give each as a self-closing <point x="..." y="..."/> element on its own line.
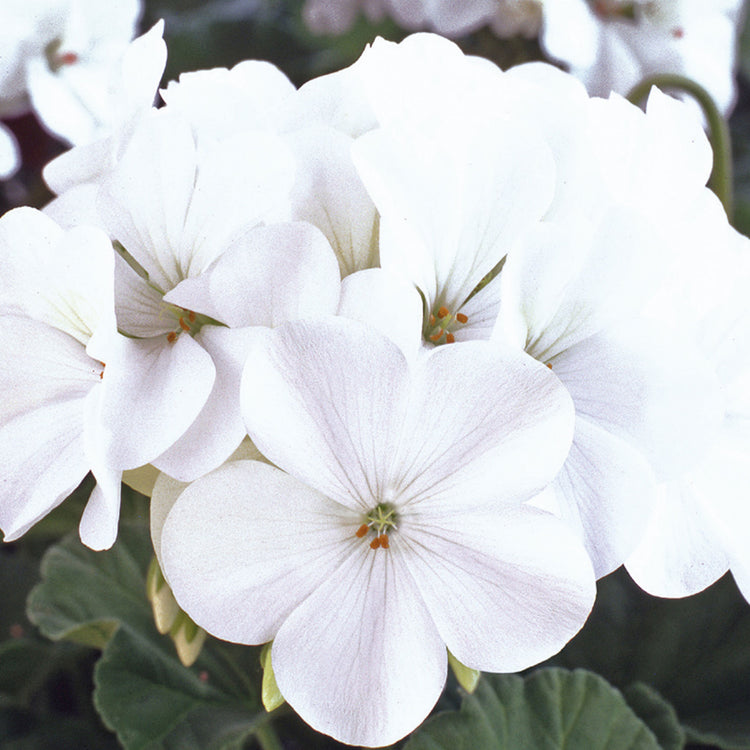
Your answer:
<point x="46" y="377"/>
<point x="465" y="209"/>
<point x="325" y="401"/>
<point x="606" y="490"/>
<point x="647" y="386"/>
<point x="505" y="589"/>
<point x="682" y="551"/>
<point x="329" y="194"/>
<point x="273" y="274"/>
<point x="153" y="390"/>
<point x="378" y="664"/>
<point x="387" y="302"/>
<point x="484" y="425"/>
<point x="146" y="209"/>
<point x="273" y="541"/>
<point x="218" y="429"/>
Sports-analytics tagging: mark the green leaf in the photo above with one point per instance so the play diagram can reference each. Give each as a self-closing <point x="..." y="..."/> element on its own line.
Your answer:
<point x="657" y="714"/>
<point x="551" y="709"/>
<point x="145" y="695"/>
<point x="695" y="652"/>
<point x="84" y="595"/>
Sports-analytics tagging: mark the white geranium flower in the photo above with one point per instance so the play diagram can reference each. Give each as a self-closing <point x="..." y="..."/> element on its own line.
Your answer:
<point x="399" y="528"/>
<point x="196" y="273"/>
<point x="132" y="86"/>
<point x="700" y="525"/>
<point x="612" y="45"/>
<point x="582" y="251"/>
<point x="58" y="332"/>
<point x="59" y="56"/>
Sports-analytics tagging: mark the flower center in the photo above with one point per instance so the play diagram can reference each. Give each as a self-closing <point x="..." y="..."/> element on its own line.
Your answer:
<point x="378" y="521"/>
<point x="440" y="326"/>
<point x="57" y="59"/>
<point x="187" y="321"/>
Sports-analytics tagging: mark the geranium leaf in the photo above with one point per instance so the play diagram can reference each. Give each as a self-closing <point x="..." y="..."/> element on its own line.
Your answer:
<point x="551" y="709"/>
<point x="84" y="595"/>
<point x="694" y="651"/>
<point x="657" y="714"/>
<point x="150" y="700"/>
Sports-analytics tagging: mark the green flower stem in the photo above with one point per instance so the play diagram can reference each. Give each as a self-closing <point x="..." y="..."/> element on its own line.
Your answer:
<point x="718" y="129"/>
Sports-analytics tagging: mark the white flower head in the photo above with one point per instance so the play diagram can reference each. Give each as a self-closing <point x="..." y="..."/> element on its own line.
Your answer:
<point x="399" y="528"/>
<point x="58" y="330"/>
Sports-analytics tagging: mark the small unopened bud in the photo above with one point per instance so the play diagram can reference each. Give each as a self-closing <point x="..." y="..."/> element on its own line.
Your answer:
<point x="467" y="678"/>
<point x="163" y="603"/>
<point x="270" y="693"/>
<point x="188" y="639"/>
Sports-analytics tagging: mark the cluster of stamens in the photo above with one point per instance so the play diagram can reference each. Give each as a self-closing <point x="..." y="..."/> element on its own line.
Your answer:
<point x="440" y="324"/>
<point x="378" y="521"/>
<point x="185" y="322"/>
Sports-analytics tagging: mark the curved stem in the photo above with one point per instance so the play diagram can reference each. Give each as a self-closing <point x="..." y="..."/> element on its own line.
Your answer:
<point x="718" y="129"/>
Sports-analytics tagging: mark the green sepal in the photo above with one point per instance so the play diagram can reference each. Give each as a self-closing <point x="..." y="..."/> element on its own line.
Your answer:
<point x="270" y="694"/>
<point x="467" y="677"/>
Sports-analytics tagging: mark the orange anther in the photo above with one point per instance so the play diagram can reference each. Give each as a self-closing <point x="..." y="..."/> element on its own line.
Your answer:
<point x="383" y="539"/>
<point x="101" y="375"/>
<point x="191" y="316"/>
<point x="432" y="319"/>
<point x="437" y="335"/>
<point x="67" y="58"/>
<point x="678" y="32"/>
<point x="549" y="365"/>
<point x="362" y="530"/>
<point x="171" y="337"/>
<point x="185" y="326"/>
<point x="461" y="318"/>
<point x="450" y="338"/>
<point x="375" y="543"/>
<point x="442" y="312"/>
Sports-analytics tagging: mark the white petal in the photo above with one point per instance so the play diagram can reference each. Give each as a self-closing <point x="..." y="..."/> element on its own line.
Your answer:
<point x="272" y="541"/>
<point x="468" y="208"/>
<point x="325" y="400"/>
<point x="62" y="278"/>
<point x="153" y="390"/>
<point x="288" y="271"/>
<point x="46" y="377"/>
<point x="10" y="154"/>
<point x="606" y="489"/>
<point x="145" y="201"/>
<point x="378" y="665"/>
<point x="329" y="194"/>
<point x="648" y="386"/>
<point x="386" y="301"/>
<point x="506" y="590"/>
<point x="485" y="424"/>
<point x="218" y="429"/>
<point x="681" y="552"/>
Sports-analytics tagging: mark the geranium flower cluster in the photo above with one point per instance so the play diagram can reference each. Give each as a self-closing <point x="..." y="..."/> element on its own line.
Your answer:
<point x="610" y="45"/>
<point x="420" y="350"/>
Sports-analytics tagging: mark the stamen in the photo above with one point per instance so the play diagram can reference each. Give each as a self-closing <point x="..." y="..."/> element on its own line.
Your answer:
<point x="442" y="312"/>
<point x="549" y="364"/>
<point x="375" y="543"/>
<point x="461" y="318"/>
<point x="450" y="338"/>
<point x="361" y="531"/>
<point x="191" y="316"/>
<point x="171" y="337"/>
<point x="185" y="326"/>
<point x="678" y="32"/>
<point x="432" y="319"/>
<point x="383" y="540"/>
<point x="437" y="335"/>
<point x="67" y="58"/>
